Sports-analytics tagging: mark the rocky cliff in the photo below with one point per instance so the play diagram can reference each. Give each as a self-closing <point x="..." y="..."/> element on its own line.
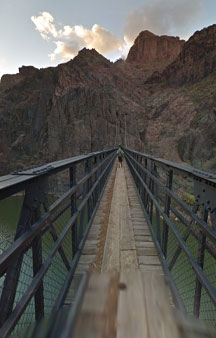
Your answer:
<point x="90" y="103"/>
<point x="8" y="81"/>
<point x="196" y="60"/>
<point x="153" y="51"/>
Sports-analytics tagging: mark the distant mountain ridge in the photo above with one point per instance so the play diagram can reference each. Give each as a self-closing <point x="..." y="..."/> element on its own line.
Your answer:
<point x="161" y="99"/>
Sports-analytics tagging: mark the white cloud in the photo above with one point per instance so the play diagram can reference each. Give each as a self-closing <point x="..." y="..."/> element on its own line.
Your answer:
<point x="171" y="17"/>
<point x="69" y="40"/>
<point x="44" y="25"/>
<point x="66" y="50"/>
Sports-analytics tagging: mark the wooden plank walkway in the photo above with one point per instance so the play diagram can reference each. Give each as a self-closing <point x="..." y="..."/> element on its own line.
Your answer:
<point x="119" y="239"/>
<point x="132" y="304"/>
<point x="129" y="245"/>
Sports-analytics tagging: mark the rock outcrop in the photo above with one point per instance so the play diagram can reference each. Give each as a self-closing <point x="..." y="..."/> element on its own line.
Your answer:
<point x="10" y="80"/>
<point x="153" y="51"/>
<point x="196" y="60"/>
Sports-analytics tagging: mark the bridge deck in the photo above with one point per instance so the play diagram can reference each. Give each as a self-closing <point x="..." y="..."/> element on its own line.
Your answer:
<point x="119" y="239"/>
<point x="121" y="249"/>
<point x="129" y="245"/>
<point x="126" y="294"/>
<point x="125" y="305"/>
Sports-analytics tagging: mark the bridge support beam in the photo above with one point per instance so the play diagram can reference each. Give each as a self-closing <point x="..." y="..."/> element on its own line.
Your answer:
<point x="200" y="261"/>
<point x="167" y="211"/>
<point x="74" y="231"/>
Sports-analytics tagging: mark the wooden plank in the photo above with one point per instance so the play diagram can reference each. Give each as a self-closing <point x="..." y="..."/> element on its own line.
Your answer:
<point x="141" y="223"/>
<point x="93" y="236"/>
<point x="140" y="227"/>
<point x="82" y="268"/>
<point x="144" y="232"/>
<point x="137" y="213"/>
<point x="151" y="260"/>
<point x="86" y="259"/>
<point x="97" y="318"/>
<point x="147" y="252"/>
<point x="138" y="219"/>
<point x="94" y="231"/>
<point x="161" y="321"/>
<point x="96" y="225"/>
<point x="91" y="242"/>
<point x="142" y="244"/>
<point x="120" y="235"/>
<point x="135" y="201"/>
<point x="98" y="219"/>
<point x="147" y="268"/>
<point x="127" y="242"/>
<point x="128" y="260"/>
<point x="132" y="316"/>
<point x="90" y="250"/>
<point x="111" y="257"/>
<point x="96" y="266"/>
<point x="142" y="238"/>
<point x="127" y="235"/>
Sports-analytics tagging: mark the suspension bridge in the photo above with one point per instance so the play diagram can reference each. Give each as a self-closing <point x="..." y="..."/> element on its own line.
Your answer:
<point x="103" y="251"/>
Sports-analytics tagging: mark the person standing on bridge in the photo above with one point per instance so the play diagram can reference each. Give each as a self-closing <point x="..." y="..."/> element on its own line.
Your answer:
<point x="120" y="154"/>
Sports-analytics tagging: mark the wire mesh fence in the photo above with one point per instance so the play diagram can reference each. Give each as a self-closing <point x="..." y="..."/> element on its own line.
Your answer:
<point x="41" y="244"/>
<point x="180" y="207"/>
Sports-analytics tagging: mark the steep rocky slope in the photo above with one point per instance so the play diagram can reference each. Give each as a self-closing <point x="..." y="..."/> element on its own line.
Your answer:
<point x="74" y="108"/>
<point x="192" y="79"/>
<point x="90" y="103"/>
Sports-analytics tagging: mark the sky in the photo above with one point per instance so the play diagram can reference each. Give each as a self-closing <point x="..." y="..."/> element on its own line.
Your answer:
<point x="45" y="33"/>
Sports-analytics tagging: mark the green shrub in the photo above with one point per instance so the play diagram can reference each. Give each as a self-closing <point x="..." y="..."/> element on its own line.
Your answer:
<point x="188" y="198"/>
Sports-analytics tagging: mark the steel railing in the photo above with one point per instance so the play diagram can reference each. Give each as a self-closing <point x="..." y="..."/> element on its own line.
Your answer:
<point x="179" y="203"/>
<point x="59" y="201"/>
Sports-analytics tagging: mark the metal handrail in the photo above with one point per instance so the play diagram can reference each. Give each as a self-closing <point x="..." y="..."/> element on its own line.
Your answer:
<point x="180" y="168"/>
<point x="97" y="169"/>
<point x="15" y="182"/>
<point x="149" y="173"/>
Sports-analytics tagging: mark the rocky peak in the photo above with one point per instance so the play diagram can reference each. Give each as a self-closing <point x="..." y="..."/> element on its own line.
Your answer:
<point x="196" y="60"/>
<point x="153" y="50"/>
<point x="87" y="68"/>
<point x="89" y="56"/>
<point x="28" y="71"/>
<point x="10" y="80"/>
